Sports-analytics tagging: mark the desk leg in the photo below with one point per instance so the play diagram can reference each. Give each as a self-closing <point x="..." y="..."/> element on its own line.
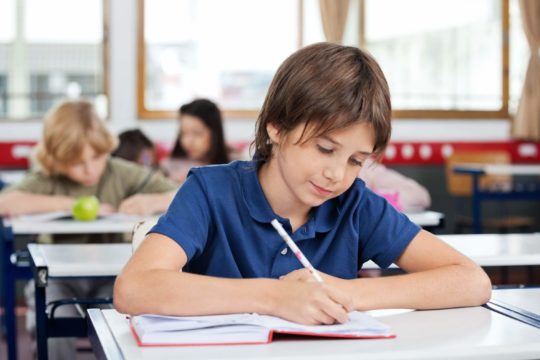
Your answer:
<point x="41" y="323"/>
<point x="9" y="308"/>
<point x="6" y="237"/>
<point x="476" y="206"/>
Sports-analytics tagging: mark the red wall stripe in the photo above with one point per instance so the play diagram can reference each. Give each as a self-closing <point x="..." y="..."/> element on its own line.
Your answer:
<point x="15" y="154"/>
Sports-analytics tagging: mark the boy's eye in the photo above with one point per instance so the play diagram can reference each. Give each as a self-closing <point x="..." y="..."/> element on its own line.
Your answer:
<point x="324" y="150"/>
<point x="356" y="162"/>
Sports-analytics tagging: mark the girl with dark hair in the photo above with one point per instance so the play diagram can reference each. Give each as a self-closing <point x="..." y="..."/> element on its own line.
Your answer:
<point x="200" y="140"/>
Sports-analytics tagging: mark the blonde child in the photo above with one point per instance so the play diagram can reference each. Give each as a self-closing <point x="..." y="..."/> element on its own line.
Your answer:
<point x="327" y="110"/>
<point x="73" y="160"/>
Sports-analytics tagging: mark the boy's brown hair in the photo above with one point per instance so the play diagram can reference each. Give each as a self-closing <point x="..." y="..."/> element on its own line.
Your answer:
<point x="327" y="87"/>
<point x="67" y="129"/>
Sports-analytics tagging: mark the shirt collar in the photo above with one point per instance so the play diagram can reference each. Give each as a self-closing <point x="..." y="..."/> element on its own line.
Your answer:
<point x="324" y="217"/>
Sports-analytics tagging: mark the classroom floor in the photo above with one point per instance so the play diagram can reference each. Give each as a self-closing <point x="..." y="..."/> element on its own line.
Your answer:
<point x="24" y="345"/>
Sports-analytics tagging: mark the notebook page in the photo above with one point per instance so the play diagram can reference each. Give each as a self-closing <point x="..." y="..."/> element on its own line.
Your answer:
<point x="359" y="324"/>
<point x="153" y="323"/>
<point x="211" y="335"/>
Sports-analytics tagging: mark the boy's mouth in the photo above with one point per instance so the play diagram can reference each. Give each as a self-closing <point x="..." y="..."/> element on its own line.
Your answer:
<point x="322" y="191"/>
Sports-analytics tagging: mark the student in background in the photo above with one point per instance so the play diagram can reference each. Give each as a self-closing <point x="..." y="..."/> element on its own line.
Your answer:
<point x="327" y="110"/>
<point x="402" y="192"/>
<point x="135" y="146"/>
<point x="200" y="140"/>
<point x="73" y="160"/>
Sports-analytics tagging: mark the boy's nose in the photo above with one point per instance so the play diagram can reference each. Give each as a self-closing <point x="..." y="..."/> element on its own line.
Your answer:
<point x="334" y="172"/>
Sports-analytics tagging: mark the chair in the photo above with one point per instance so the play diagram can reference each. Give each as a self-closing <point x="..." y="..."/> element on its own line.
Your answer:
<point x="139" y="232"/>
<point x="460" y="187"/>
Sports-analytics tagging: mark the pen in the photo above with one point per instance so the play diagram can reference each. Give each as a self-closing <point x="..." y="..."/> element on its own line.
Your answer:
<point x="290" y="243"/>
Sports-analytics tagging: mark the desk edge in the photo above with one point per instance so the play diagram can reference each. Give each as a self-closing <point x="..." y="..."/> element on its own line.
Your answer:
<point x="103" y="343"/>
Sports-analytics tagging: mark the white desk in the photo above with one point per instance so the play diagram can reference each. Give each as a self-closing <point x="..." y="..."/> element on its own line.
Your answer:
<point x="82" y="260"/>
<point x="468" y="333"/>
<point x="25" y="226"/>
<point x="119" y="224"/>
<point x="527" y="299"/>
<point x="430" y="219"/>
<point x="69" y="261"/>
<point x="522" y="304"/>
<point x="493" y="249"/>
<point x="502" y="169"/>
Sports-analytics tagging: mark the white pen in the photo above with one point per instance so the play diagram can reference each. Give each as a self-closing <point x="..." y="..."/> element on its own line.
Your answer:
<point x="290" y="243"/>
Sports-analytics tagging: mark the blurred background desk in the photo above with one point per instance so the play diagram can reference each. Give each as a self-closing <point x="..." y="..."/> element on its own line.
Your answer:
<point x="15" y="265"/>
<point x="493" y="249"/>
<point x="527" y="191"/>
<point x="429" y="220"/>
<point x="70" y="261"/>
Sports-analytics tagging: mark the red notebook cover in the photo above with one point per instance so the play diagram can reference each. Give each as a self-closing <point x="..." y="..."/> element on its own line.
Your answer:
<point x="267" y="334"/>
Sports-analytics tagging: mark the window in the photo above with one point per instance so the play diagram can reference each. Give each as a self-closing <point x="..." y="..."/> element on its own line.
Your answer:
<point x="442" y="59"/>
<point x="53" y="49"/>
<point x="446" y="57"/>
<point x="191" y="49"/>
<point x="3" y="96"/>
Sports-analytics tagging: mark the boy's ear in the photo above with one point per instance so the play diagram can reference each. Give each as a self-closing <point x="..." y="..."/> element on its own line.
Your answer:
<point x="273" y="133"/>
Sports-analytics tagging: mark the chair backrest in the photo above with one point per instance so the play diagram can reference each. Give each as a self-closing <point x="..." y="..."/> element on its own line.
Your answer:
<point x="139" y="232"/>
<point x="461" y="184"/>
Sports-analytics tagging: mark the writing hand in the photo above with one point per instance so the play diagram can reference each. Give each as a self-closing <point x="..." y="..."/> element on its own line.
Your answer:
<point x="312" y="303"/>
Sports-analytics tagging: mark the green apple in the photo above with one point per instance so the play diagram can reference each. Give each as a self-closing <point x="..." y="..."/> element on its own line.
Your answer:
<point x="85" y="208"/>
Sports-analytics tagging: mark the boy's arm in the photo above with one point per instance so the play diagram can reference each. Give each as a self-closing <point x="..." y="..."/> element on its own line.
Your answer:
<point x="437" y="277"/>
<point x="145" y="204"/>
<point x="17" y="202"/>
<point x="152" y="283"/>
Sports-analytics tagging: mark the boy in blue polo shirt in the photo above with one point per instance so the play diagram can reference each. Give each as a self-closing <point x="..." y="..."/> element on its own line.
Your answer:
<point x="326" y="112"/>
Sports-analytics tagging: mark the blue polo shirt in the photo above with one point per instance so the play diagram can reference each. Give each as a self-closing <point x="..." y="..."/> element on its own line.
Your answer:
<point x="221" y="218"/>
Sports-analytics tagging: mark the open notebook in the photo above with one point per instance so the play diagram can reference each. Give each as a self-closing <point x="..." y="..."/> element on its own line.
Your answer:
<point x="155" y="330"/>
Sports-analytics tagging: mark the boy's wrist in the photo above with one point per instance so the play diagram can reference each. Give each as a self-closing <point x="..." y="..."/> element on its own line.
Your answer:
<point x="269" y="297"/>
<point x="67" y="203"/>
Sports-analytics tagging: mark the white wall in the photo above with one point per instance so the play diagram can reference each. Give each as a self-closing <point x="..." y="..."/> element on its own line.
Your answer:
<point x="123" y="100"/>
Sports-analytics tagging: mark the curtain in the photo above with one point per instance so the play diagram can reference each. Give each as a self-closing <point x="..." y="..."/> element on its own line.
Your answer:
<point x="333" y="17"/>
<point x="527" y="120"/>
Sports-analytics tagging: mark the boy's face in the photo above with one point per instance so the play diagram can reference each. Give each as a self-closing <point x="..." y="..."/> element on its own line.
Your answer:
<point x="323" y="167"/>
<point x="88" y="170"/>
<point x="195" y="138"/>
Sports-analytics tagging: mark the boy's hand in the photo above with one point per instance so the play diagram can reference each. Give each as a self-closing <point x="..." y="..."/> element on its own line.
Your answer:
<point x="106" y="209"/>
<point x="305" y="275"/>
<point x="139" y="204"/>
<point x="312" y="303"/>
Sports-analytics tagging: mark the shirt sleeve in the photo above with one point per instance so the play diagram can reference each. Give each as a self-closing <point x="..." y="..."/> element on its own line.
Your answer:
<point x="35" y="182"/>
<point x="187" y="220"/>
<point x="384" y="232"/>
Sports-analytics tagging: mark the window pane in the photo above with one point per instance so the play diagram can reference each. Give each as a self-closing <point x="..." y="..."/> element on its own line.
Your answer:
<point x="64" y="21"/>
<point x="193" y="50"/>
<point x="55" y="51"/>
<point x="7" y="17"/>
<point x="440" y="55"/>
<point x="519" y="56"/>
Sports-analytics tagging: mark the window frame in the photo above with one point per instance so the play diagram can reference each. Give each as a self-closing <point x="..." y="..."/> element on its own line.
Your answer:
<point x="104" y="61"/>
<point x="424" y="114"/>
